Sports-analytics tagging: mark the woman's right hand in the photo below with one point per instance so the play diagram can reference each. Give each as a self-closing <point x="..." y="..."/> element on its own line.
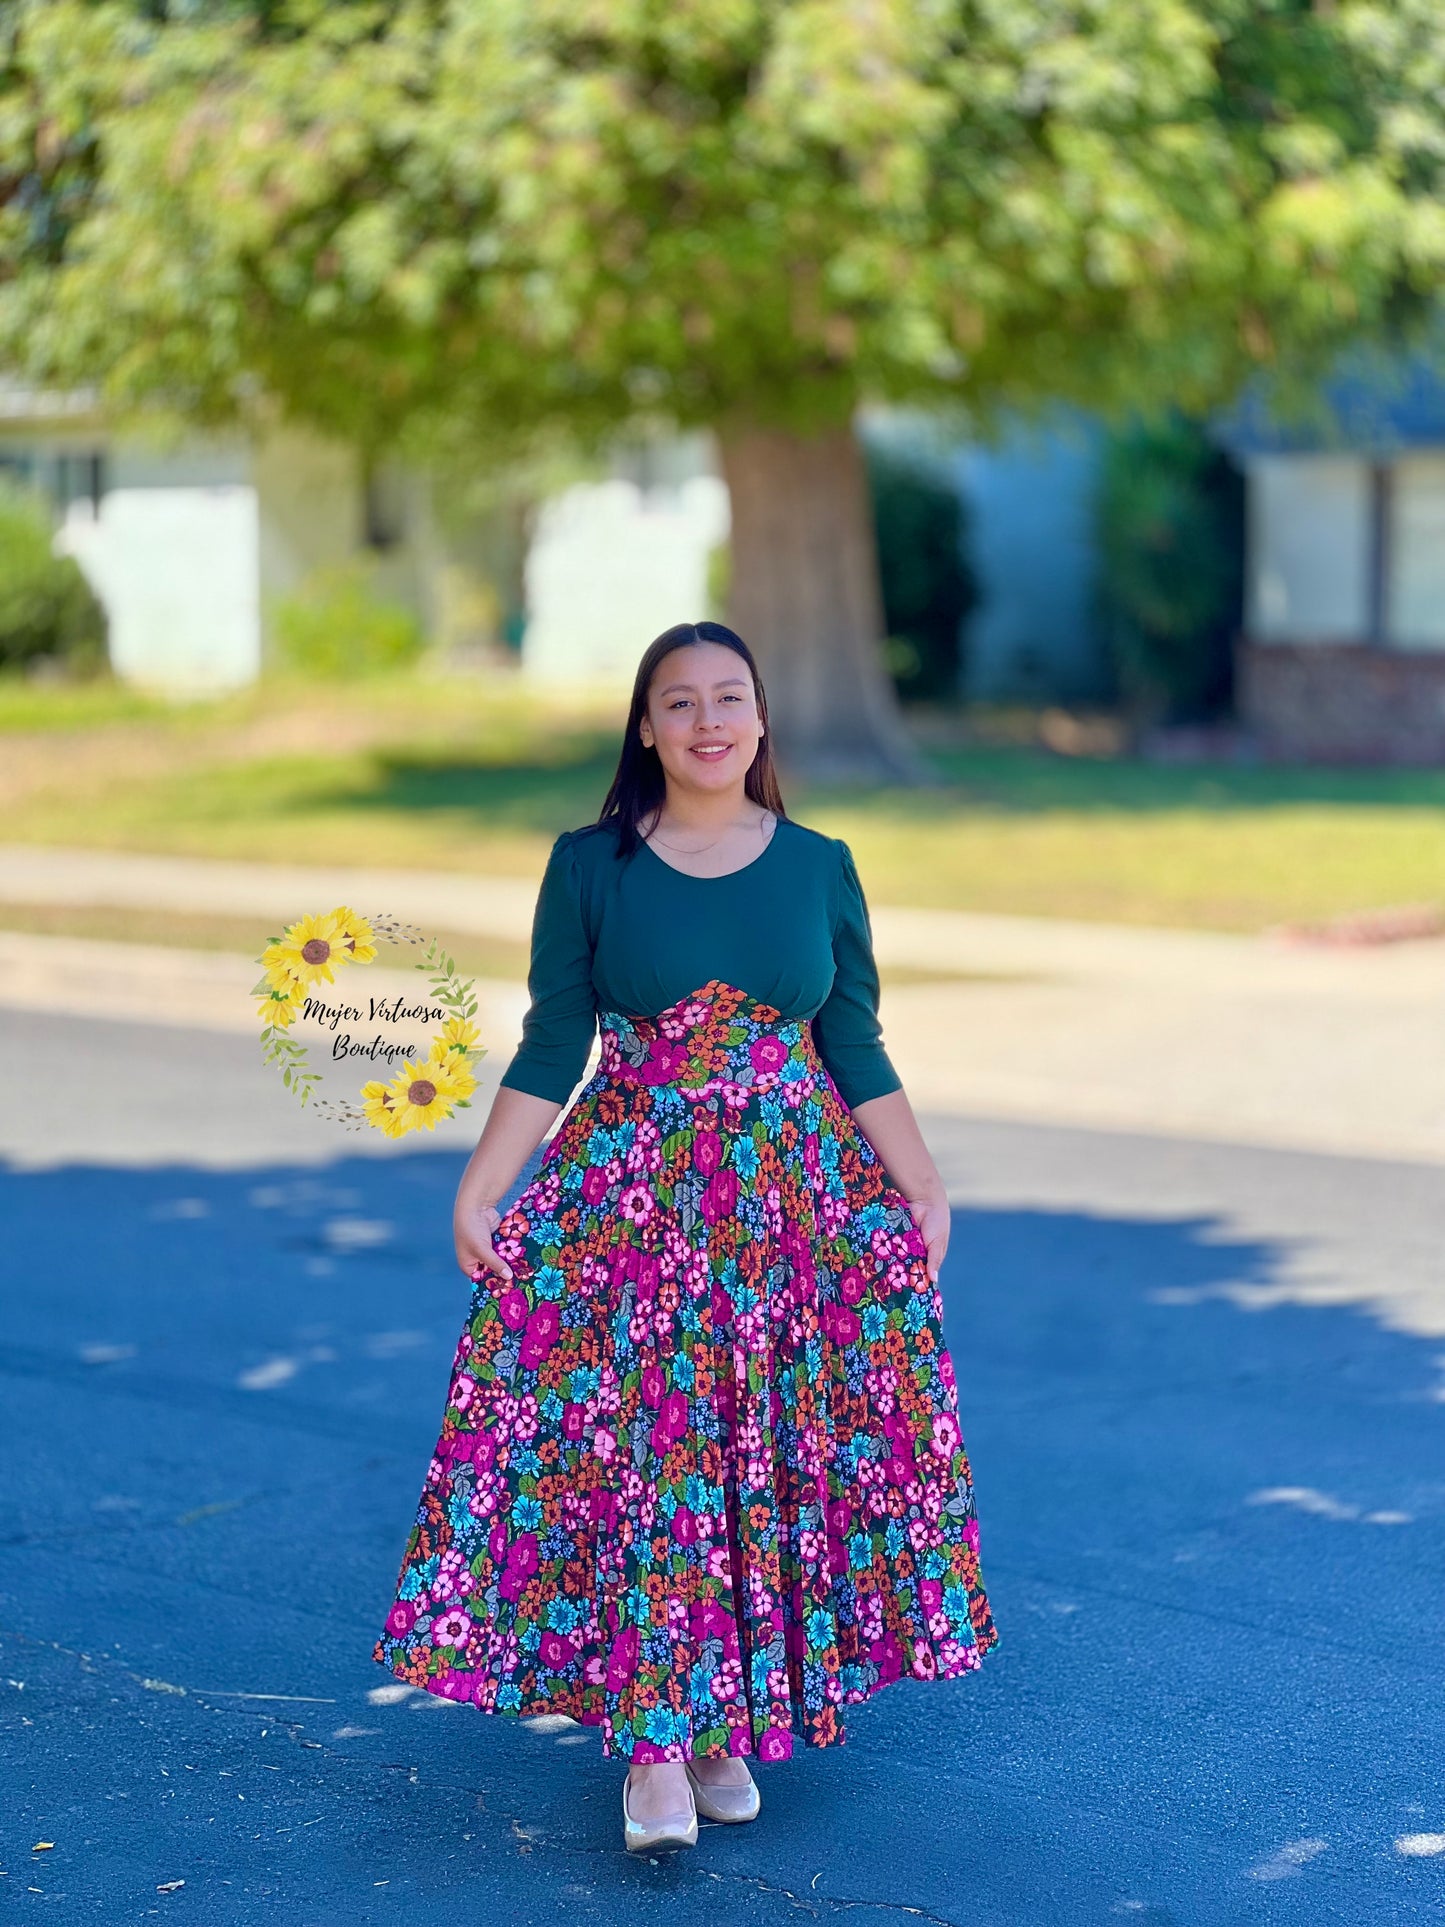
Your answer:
<point x="514" y="1128"/>
<point x="474" y="1226"/>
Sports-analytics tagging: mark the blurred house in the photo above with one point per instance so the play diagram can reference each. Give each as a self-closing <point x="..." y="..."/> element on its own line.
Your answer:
<point x="1343" y="652"/>
<point x="1035" y="635"/>
<point x="1343" y="656"/>
<point x="192" y="545"/>
<point x="613" y="562"/>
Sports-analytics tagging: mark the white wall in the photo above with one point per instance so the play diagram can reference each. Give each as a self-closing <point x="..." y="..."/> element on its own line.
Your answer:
<point x="176" y="569"/>
<point x="1309" y="548"/>
<point x="611" y="566"/>
<point x="195" y="544"/>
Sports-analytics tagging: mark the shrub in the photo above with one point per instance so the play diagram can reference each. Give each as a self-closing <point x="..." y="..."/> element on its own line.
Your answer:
<point x="928" y="586"/>
<point x="336" y="626"/>
<point x="1170" y="533"/>
<point x="47" y="607"/>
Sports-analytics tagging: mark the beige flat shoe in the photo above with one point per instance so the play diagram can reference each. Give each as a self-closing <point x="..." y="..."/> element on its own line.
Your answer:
<point x="728" y="1803"/>
<point x="658" y="1836"/>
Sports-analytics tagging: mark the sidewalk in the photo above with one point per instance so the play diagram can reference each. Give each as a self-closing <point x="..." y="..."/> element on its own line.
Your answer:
<point x="1179" y="1033"/>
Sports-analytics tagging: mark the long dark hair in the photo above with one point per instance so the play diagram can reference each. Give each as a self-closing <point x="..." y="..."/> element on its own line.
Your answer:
<point x="640" y="784"/>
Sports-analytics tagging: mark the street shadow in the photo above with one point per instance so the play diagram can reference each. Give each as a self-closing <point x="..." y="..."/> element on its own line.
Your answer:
<point x="1212" y="1538"/>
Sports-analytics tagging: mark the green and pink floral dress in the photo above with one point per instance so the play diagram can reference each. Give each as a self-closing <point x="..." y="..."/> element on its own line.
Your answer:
<point x="700" y="1480"/>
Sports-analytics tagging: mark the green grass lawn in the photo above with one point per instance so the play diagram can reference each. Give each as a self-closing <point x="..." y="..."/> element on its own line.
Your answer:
<point x="481" y="777"/>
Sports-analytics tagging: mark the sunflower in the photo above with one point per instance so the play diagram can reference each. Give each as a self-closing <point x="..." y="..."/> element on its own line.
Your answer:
<point x="423" y="1092"/>
<point x="456" y="1034"/>
<point x="277" y="967"/>
<point x="381" y="1107"/>
<point x="307" y="951"/>
<point x="284" y="1001"/>
<point x="354" y="936"/>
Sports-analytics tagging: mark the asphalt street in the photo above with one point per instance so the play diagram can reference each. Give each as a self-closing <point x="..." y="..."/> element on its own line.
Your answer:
<point x="1203" y="1389"/>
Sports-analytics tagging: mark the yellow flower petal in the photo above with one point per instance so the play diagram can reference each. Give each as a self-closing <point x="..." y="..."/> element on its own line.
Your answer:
<point x="309" y="949"/>
<point x="353" y="936"/>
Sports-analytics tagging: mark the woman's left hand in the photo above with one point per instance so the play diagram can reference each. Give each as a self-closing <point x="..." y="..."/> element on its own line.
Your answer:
<point x="933" y="1218"/>
<point x="891" y="1128"/>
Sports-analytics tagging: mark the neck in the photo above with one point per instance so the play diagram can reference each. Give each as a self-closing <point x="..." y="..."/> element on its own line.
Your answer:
<point x="715" y="812"/>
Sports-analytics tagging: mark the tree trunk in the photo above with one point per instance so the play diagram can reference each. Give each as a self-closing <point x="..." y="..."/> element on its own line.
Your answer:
<point x="803" y="594"/>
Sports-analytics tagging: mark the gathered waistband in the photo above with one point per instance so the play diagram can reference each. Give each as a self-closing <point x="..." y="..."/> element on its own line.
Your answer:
<point x="717" y="1041"/>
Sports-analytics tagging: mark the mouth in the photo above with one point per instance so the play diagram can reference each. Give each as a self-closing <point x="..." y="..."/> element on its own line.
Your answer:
<point x="710" y="752"/>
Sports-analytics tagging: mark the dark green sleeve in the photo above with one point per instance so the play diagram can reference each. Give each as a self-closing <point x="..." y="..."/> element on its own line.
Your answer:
<point x="559" y="1027"/>
<point x="846" y="1029"/>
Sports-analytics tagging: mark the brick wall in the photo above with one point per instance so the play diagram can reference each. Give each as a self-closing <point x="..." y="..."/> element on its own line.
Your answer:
<point x="1343" y="703"/>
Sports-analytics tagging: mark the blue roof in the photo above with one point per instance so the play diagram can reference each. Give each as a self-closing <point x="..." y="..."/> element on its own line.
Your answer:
<point x="1376" y="405"/>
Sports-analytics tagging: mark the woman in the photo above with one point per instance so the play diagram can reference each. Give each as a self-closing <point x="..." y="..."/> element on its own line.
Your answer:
<point x="700" y="1481"/>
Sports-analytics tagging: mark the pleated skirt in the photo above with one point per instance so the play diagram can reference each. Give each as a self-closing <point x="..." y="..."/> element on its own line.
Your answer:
<point x="700" y="1480"/>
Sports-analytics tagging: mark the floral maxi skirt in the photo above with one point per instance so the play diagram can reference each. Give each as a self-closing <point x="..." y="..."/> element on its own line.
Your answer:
<point x="700" y="1480"/>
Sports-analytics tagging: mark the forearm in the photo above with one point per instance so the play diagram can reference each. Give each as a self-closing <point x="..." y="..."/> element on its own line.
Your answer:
<point x="891" y="1128"/>
<point x="515" y="1126"/>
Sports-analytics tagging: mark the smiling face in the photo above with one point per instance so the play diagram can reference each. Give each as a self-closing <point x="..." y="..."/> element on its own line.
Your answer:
<point x="702" y="716"/>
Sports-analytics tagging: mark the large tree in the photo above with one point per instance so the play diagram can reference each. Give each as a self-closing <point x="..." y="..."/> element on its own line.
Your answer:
<point x="473" y="224"/>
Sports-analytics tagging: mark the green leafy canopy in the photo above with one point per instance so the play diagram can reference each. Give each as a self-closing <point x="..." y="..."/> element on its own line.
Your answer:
<point x="483" y="221"/>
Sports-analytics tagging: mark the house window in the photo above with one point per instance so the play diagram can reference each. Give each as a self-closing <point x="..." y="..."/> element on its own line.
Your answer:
<point x="63" y="476"/>
<point x="80" y="478"/>
<point x="1415" y="596"/>
<point x="1310" y="548"/>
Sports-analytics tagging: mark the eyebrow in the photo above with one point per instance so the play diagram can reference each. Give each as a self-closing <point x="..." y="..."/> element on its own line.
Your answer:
<point x="726" y="682"/>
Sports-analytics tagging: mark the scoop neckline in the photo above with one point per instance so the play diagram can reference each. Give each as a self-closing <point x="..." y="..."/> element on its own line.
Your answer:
<point x="723" y="876"/>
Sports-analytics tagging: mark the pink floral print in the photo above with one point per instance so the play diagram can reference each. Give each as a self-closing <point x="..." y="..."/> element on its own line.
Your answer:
<point x="700" y="1481"/>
